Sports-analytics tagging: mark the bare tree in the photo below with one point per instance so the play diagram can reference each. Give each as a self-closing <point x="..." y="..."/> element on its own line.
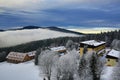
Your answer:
<point x="47" y="60"/>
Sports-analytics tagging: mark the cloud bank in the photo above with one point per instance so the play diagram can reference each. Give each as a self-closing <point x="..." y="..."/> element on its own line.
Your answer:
<point x="12" y="38"/>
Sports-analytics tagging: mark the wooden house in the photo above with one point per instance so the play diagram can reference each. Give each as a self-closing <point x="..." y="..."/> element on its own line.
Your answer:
<point x="112" y="57"/>
<point x="15" y="57"/>
<point x="97" y="46"/>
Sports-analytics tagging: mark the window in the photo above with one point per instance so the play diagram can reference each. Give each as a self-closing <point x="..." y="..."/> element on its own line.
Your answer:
<point x="116" y="60"/>
<point x="108" y="59"/>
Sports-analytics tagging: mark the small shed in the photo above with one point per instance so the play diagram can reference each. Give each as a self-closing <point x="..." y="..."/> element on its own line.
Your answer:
<point x="112" y="57"/>
<point x="16" y="57"/>
<point x="31" y="54"/>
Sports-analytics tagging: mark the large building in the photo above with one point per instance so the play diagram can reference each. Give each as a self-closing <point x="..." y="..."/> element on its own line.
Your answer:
<point x="97" y="46"/>
<point x="112" y="57"/>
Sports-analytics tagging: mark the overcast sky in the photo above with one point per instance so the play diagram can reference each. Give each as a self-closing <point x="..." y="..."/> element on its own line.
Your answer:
<point x="62" y="13"/>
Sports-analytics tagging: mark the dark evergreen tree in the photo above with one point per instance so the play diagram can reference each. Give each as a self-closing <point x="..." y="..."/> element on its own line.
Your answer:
<point x="96" y="66"/>
<point x="3" y="56"/>
<point x="85" y="49"/>
<point x="37" y="55"/>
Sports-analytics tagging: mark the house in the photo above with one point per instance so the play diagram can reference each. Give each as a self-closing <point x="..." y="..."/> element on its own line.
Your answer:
<point x="16" y="57"/>
<point x="112" y="57"/>
<point x="97" y="46"/>
<point x="31" y="54"/>
<point x="60" y="49"/>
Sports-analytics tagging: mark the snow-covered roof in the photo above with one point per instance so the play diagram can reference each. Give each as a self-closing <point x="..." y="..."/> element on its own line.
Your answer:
<point x="93" y="42"/>
<point x="16" y="56"/>
<point x="114" y="53"/>
<point x="58" y="48"/>
<point x="101" y="51"/>
<point x="31" y="53"/>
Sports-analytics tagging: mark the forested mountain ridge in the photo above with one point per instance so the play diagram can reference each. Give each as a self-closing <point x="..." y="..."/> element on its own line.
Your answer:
<point x="54" y="28"/>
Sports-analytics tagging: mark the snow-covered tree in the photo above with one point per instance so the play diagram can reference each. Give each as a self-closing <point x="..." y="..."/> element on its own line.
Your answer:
<point x="115" y="44"/>
<point x="70" y="45"/>
<point x="90" y="66"/>
<point x="47" y="60"/>
<point x="67" y="66"/>
<point x="38" y="51"/>
<point x="107" y="40"/>
<point x="96" y="66"/>
<point x="84" y="67"/>
<point x="118" y="45"/>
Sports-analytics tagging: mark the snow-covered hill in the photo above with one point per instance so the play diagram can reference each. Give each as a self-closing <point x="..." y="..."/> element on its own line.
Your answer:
<point x="12" y="38"/>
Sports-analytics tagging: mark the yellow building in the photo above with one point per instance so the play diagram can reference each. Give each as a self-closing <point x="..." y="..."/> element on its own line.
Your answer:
<point x="97" y="46"/>
<point x="112" y="57"/>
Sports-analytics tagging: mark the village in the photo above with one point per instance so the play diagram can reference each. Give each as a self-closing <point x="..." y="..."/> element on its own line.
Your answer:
<point x="67" y="57"/>
<point x="109" y="55"/>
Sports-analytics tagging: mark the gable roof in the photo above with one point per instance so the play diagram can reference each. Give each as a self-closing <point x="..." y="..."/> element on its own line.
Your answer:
<point x="114" y="53"/>
<point x="16" y="56"/>
<point x="31" y="53"/>
<point x="93" y="42"/>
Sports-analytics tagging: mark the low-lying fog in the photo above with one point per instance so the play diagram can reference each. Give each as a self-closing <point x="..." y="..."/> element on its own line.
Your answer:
<point x="12" y="38"/>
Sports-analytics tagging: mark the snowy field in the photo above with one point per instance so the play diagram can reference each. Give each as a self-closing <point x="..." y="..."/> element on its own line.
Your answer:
<point x="11" y="38"/>
<point x="22" y="71"/>
<point x="28" y="71"/>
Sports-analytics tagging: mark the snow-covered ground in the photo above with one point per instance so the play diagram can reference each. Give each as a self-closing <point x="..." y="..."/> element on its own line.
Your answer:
<point x="11" y="38"/>
<point x="107" y="70"/>
<point x="107" y="73"/>
<point x="22" y="71"/>
<point x="28" y="71"/>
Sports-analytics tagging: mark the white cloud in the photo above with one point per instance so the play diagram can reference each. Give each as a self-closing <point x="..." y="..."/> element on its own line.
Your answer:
<point x="1" y="11"/>
<point x="95" y="21"/>
<point x="21" y="4"/>
<point x="32" y="5"/>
